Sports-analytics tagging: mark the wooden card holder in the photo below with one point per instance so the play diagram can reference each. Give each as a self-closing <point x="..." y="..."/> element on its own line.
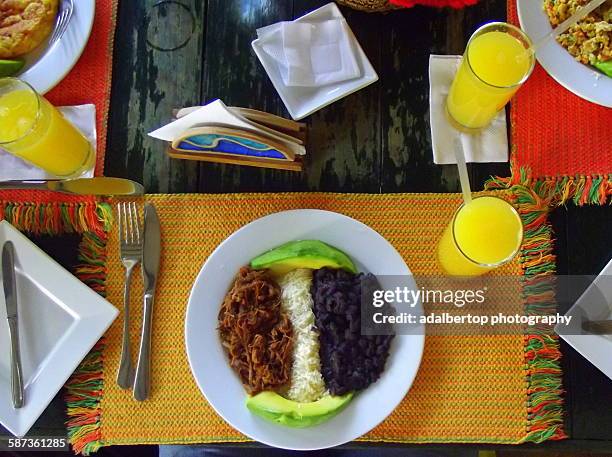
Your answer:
<point x="234" y="146"/>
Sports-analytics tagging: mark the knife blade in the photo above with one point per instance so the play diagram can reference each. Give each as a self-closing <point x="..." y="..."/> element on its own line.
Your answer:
<point x="82" y="186"/>
<point x="10" y="297"/>
<point x="598" y="327"/>
<point x="150" y="269"/>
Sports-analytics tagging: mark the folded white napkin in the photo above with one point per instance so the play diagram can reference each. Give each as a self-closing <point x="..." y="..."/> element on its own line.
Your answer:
<point x="311" y="54"/>
<point x="489" y="145"/>
<point x="13" y="168"/>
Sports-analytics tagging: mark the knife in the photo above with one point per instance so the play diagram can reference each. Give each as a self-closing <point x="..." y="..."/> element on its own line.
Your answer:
<point x="82" y="186"/>
<point x="598" y="327"/>
<point x="10" y="297"/>
<point x="150" y="268"/>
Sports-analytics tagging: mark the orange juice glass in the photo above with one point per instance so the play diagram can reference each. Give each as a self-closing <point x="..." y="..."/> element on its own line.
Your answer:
<point x="496" y="62"/>
<point x="34" y="130"/>
<point x="484" y="234"/>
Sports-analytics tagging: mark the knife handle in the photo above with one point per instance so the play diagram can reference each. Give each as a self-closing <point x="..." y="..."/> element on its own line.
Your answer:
<point x="15" y="185"/>
<point x="142" y="381"/>
<point x="16" y="377"/>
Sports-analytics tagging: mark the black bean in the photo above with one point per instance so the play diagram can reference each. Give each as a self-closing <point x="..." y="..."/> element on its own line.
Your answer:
<point x="349" y="361"/>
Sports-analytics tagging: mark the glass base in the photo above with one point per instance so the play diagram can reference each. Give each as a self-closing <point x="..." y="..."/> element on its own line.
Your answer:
<point x="86" y="167"/>
<point x="458" y="126"/>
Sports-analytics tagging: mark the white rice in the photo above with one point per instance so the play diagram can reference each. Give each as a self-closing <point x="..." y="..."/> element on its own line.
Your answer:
<point x="306" y="380"/>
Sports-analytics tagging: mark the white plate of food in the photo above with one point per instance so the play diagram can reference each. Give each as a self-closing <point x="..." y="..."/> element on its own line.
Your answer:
<point x="45" y="66"/>
<point x="579" y="77"/>
<point x="319" y="391"/>
<point x="59" y="321"/>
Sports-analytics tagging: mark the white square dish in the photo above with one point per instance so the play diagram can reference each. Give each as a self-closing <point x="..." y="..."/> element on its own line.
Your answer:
<point x="594" y="304"/>
<point x="60" y="320"/>
<point x="303" y="101"/>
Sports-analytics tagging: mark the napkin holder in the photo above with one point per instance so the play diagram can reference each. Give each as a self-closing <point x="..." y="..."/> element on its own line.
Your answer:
<point x="233" y="146"/>
<point x="242" y="136"/>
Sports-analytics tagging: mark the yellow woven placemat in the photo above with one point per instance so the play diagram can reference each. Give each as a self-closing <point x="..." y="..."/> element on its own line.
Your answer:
<point x="468" y="389"/>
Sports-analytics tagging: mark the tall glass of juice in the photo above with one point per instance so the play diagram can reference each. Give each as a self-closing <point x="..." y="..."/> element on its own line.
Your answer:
<point x="496" y="62"/>
<point x="484" y="234"/>
<point x="34" y="130"/>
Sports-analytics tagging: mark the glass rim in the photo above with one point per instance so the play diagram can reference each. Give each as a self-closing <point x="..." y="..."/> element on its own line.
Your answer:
<point x="29" y="87"/>
<point x="515" y="29"/>
<point x="482" y="264"/>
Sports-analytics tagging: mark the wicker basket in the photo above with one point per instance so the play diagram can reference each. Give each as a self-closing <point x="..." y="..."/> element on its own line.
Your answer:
<point x="371" y="6"/>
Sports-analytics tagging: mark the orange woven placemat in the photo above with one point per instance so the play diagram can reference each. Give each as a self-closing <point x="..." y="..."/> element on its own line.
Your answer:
<point x="90" y="79"/>
<point x="494" y="389"/>
<point x="562" y="140"/>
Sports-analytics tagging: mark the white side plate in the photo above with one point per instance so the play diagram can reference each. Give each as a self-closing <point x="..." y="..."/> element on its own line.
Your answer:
<point x="209" y="364"/>
<point x="303" y="101"/>
<point x="60" y="320"/>
<point x="594" y="304"/>
<point x="582" y="80"/>
<point x="44" y="68"/>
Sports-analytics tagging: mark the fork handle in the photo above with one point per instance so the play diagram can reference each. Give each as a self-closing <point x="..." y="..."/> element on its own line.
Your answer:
<point x="142" y="382"/>
<point x="125" y="375"/>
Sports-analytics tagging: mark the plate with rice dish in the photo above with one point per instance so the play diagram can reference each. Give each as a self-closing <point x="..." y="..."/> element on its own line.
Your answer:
<point x="25" y="49"/>
<point x="274" y="336"/>
<point x="581" y="58"/>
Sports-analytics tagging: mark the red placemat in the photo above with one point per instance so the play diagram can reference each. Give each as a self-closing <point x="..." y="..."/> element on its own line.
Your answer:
<point x="90" y="79"/>
<point x="561" y="144"/>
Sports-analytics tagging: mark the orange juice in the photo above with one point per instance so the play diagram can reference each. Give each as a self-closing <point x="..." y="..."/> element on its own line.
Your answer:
<point x="494" y="65"/>
<point x="33" y="129"/>
<point x="485" y="233"/>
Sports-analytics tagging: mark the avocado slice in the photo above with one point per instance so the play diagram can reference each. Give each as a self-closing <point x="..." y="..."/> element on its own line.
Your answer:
<point x="312" y="254"/>
<point x="605" y="67"/>
<point x="275" y="408"/>
<point x="10" y="67"/>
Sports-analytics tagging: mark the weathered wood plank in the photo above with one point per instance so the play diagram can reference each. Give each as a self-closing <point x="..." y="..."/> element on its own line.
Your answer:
<point x="409" y="37"/>
<point x="233" y="74"/>
<point x="157" y="66"/>
<point x="343" y="138"/>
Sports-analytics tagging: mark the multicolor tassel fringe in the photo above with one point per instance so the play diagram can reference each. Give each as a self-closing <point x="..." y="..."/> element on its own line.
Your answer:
<point x="41" y="213"/>
<point x="84" y="393"/>
<point x="582" y="190"/>
<point x="85" y="388"/>
<point x="542" y="354"/>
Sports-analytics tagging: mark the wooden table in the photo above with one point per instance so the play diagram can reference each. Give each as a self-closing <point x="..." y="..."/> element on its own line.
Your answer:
<point x="170" y="54"/>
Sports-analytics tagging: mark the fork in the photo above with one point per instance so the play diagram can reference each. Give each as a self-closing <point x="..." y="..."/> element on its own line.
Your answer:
<point x="62" y="20"/>
<point x="131" y="237"/>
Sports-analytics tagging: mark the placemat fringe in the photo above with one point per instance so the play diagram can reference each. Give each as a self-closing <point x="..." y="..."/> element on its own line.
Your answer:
<point x="542" y="354"/>
<point x="581" y="190"/>
<point x="41" y="214"/>
<point x="85" y="388"/>
<point x="84" y="392"/>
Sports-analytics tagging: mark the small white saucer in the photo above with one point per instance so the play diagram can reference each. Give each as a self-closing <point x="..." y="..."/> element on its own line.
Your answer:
<point x="594" y="304"/>
<point x="303" y="101"/>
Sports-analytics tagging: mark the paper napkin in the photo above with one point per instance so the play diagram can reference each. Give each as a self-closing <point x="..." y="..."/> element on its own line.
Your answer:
<point x="489" y="145"/>
<point x="216" y="113"/>
<point x="82" y="116"/>
<point x="311" y="54"/>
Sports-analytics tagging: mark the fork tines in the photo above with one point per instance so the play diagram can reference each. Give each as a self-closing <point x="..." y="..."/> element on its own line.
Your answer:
<point x="63" y="19"/>
<point x="130" y="225"/>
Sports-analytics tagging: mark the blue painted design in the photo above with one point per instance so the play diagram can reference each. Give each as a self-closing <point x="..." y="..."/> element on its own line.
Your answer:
<point x="229" y="145"/>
